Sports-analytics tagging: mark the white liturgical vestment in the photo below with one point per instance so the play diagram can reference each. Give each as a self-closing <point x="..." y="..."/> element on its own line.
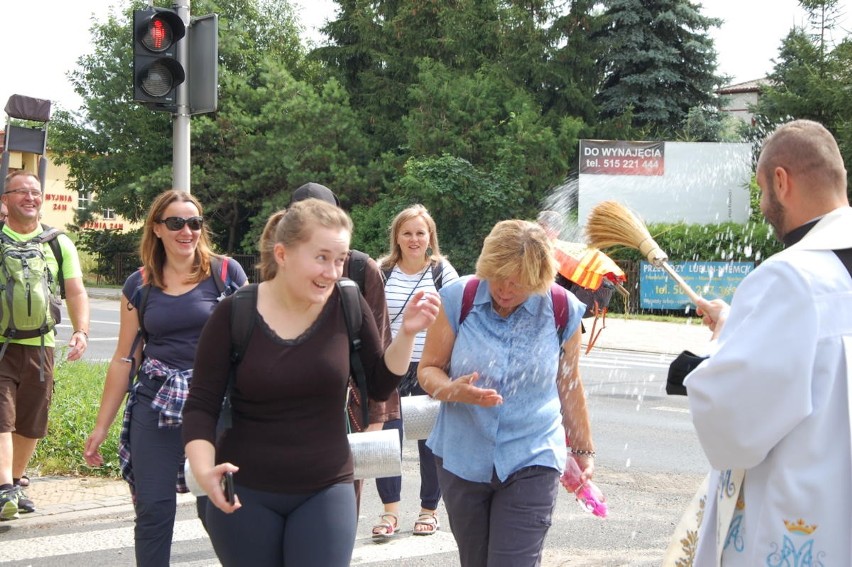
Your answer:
<point x="774" y="400"/>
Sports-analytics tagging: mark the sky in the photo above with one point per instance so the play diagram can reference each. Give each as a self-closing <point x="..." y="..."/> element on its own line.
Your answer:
<point x="34" y="66"/>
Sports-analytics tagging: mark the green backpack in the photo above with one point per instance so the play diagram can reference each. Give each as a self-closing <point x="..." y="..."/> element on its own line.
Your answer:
<point x="30" y="298"/>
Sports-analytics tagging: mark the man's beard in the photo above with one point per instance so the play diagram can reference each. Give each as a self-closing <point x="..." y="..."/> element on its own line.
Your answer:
<point x="774" y="214"/>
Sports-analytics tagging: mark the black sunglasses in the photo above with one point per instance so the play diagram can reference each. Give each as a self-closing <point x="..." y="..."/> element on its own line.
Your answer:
<point x="176" y="223"/>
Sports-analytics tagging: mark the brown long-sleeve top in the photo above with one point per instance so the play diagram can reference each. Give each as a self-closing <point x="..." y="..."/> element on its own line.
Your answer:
<point x="289" y="425"/>
<point x="374" y="293"/>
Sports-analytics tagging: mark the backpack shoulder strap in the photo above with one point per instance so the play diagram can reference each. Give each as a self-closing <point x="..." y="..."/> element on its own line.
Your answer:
<point x="219" y="265"/>
<point x="50" y="235"/>
<point x="350" y="300"/>
<point x="560" y="309"/>
<point x="138" y="300"/>
<point x="558" y="294"/>
<point x="243" y="316"/>
<point x="57" y="253"/>
<point x="467" y="298"/>
<point x="438" y="274"/>
<point x="358" y="268"/>
<point x="386" y="274"/>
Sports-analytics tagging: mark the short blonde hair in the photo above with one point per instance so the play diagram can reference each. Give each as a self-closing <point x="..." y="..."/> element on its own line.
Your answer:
<point x="294" y="225"/>
<point x="521" y="249"/>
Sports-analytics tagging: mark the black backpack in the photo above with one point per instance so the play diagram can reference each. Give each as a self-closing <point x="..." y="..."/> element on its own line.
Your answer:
<point x="358" y="268"/>
<point x="243" y="317"/>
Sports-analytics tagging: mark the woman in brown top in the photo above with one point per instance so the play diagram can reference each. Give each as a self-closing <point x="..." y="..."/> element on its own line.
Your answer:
<point x="288" y="448"/>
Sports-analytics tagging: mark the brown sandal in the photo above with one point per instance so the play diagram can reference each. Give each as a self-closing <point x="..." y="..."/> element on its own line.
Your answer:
<point x="388" y="527"/>
<point x="429" y="520"/>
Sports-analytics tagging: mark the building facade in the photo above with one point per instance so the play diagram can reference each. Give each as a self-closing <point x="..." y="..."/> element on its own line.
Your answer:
<point x="61" y="203"/>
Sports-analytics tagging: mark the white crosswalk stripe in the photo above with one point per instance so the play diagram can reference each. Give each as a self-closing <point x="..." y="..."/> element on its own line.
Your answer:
<point x="366" y="551"/>
<point x="86" y="542"/>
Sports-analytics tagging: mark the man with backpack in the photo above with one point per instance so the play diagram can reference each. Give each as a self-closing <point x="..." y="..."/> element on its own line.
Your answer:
<point x="36" y="264"/>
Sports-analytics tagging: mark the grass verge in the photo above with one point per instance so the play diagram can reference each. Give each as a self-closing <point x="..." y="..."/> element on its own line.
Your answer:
<point x="76" y="398"/>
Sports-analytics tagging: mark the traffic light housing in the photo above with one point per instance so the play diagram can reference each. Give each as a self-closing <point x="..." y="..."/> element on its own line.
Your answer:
<point x="157" y="68"/>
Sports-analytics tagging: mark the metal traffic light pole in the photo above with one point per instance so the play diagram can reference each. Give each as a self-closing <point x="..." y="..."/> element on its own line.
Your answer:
<point x="181" y="119"/>
<point x="175" y="70"/>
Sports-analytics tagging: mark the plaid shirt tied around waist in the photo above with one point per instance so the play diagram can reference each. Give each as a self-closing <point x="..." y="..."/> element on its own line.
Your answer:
<point x="168" y="402"/>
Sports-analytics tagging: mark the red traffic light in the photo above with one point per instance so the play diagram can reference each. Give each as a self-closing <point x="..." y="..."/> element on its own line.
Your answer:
<point x="157" y="68"/>
<point x="159" y="36"/>
<point x="157" y="30"/>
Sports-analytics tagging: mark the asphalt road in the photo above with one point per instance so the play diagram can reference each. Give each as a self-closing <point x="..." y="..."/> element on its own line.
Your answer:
<point x="649" y="465"/>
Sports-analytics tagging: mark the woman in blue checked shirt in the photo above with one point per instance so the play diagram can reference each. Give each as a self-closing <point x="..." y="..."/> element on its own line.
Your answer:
<point x="178" y="270"/>
<point x="510" y="391"/>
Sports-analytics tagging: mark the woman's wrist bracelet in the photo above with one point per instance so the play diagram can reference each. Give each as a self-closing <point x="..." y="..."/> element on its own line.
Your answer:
<point x="582" y="453"/>
<point x="82" y="332"/>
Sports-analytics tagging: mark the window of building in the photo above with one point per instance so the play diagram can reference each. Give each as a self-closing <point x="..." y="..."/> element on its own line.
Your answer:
<point x="84" y="199"/>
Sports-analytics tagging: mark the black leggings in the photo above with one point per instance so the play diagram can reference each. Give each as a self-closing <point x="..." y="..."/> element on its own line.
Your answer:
<point x="272" y="529"/>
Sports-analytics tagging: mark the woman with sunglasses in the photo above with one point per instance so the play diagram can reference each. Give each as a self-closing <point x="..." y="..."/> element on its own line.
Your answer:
<point x="177" y="283"/>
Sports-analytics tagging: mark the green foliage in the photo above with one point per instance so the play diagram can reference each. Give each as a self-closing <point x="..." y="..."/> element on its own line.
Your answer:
<point x="372" y="224"/>
<point x="755" y="215"/>
<point x="709" y="124"/>
<point x="122" y="151"/>
<point x="108" y="245"/>
<point x="660" y="62"/>
<point x="76" y="399"/>
<point x="451" y="188"/>
<point x="725" y="242"/>
<point x="811" y="80"/>
<point x="572" y="73"/>
<point x="487" y="120"/>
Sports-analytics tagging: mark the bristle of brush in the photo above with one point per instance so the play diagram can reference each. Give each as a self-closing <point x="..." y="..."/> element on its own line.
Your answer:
<point x="612" y="224"/>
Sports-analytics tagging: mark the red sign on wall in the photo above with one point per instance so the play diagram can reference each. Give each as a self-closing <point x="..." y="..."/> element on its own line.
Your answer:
<point x="604" y="157"/>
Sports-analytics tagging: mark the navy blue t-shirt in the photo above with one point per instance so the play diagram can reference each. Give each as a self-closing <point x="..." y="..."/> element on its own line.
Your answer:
<point x="174" y="322"/>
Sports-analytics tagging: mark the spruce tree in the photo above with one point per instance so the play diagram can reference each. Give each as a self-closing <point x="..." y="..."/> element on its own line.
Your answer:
<point x="659" y="63"/>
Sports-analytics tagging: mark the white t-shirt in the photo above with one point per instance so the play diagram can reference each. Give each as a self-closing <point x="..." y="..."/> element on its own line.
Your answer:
<point x="400" y="286"/>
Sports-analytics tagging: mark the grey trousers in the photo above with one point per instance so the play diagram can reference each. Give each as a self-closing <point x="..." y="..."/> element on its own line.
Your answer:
<point x="497" y="524"/>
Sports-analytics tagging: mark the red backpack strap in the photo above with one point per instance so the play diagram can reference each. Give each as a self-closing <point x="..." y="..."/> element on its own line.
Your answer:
<point x="560" y="309"/>
<point x="224" y="274"/>
<point x="467" y="298"/>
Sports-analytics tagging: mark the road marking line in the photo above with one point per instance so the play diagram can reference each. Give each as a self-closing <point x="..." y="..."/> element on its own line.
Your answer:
<point x="676" y="410"/>
<point x="404" y="547"/>
<point x="95" y="540"/>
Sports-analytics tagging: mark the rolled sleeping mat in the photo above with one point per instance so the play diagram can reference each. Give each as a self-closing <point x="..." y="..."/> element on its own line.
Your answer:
<point x="376" y="454"/>
<point x="419" y="414"/>
<point x="191" y="483"/>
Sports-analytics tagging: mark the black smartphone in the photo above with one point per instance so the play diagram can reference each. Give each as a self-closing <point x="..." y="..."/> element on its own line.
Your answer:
<point x="228" y="487"/>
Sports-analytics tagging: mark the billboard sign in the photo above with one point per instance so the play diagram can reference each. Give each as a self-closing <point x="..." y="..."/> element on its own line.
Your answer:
<point x="709" y="279"/>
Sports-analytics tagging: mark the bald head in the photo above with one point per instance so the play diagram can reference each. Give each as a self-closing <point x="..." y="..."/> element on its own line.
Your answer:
<point x="809" y="154"/>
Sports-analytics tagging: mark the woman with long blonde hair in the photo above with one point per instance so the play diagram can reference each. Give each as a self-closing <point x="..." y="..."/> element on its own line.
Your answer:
<point x="414" y="263"/>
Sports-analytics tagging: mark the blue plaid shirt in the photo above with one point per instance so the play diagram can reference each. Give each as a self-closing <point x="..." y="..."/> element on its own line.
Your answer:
<point x="168" y="401"/>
